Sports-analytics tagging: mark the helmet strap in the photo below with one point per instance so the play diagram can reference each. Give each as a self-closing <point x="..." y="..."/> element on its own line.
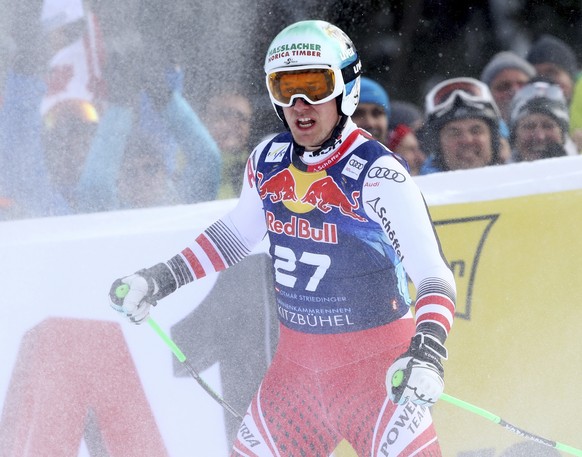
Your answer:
<point x="352" y="71"/>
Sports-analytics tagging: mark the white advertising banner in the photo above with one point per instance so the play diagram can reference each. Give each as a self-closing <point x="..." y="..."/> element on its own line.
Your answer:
<point x="78" y="380"/>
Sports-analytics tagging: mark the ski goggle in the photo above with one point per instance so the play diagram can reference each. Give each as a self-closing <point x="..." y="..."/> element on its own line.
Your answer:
<point x="442" y="96"/>
<point x="315" y="84"/>
<point x="543" y="94"/>
<point x="541" y="89"/>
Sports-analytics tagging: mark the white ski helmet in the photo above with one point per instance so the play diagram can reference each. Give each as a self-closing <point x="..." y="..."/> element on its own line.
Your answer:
<point x="320" y="48"/>
<point x="540" y="96"/>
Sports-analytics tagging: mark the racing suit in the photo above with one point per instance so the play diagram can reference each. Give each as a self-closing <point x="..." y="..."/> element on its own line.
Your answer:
<point x="347" y="228"/>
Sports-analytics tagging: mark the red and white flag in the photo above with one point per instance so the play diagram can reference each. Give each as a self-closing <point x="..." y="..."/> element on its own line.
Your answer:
<point x="75" y="71"/>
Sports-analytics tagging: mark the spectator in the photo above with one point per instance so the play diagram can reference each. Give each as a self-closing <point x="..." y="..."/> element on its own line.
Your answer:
<point x="402" y="140"/>
<point x="144" y="180"/>
<point x="373" y="111"/>
<point x="24" y="178"/>
<point x="462" y="126"/>
<point x="86" y="161"/>
<point x="73" y="155"/>
<point x="403" y="112"/>
<point x="68" y="130"/>
<point x="155" y="114"/>
<point x="24" y="186"/>
<point x="228" y="114"/>
<point x="555" y="60"/>
<point x="539" y="122"/>
<point x="505" y="74"/>
<point x="194" y="160"/>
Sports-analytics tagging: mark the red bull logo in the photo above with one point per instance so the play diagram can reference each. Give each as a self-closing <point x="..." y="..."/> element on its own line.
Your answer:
<point x="322" y="193"/>
<point x="299" y="227"/>
<point x="325" y="194"/>
<point x="279" y="187"/>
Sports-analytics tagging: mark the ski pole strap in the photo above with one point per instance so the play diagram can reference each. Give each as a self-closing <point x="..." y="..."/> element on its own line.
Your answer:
<point x="512" y="428"/>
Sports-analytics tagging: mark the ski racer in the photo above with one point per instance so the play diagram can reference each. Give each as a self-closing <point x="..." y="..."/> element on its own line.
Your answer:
<point x="346" y="225"/>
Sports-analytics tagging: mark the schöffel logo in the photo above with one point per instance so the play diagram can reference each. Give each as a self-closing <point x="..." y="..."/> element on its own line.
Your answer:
<point x="386" y="225"/>
<point x="386" y="173"/>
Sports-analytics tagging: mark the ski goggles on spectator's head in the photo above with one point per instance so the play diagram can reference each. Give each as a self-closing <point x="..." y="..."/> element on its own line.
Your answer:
<point x="541" y="89"/>
<point x="442" y="96"/>
<point x="315" y="84"/>
<point x="540" y="96"/>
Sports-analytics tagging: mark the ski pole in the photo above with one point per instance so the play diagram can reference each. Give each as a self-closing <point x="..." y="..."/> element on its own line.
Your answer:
<point x="512" y="428"/>
<point x="121" y="292"/>
<point x="399" y="378"/>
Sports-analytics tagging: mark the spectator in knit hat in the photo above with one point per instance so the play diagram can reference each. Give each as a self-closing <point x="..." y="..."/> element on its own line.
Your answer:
<point x="403" y="112"/>
<point x="373" y="111"/>
<point x="539" y="122"/>
<point x="402" y="140"/>
<point x="505" y="74"/>
<point x="555" y="60"/>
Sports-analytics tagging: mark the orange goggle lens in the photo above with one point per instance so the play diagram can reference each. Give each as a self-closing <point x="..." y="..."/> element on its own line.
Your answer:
<point x="317" y="85"/>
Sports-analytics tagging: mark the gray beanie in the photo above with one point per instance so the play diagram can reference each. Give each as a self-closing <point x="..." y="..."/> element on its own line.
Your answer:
<point x="504" y="60"/>
<point x="404" y="112"/>
<point x="550" y="49"/>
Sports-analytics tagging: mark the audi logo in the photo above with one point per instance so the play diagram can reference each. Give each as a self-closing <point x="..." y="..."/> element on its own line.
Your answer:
<point x="386" y="173"/>
<point x="356" y="164"/>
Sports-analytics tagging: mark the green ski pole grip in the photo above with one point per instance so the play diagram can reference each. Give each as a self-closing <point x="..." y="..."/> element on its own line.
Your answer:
<point x="122" y="290"/>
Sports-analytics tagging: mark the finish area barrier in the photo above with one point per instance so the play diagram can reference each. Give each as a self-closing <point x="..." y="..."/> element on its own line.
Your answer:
<point x="78" y="380"/>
